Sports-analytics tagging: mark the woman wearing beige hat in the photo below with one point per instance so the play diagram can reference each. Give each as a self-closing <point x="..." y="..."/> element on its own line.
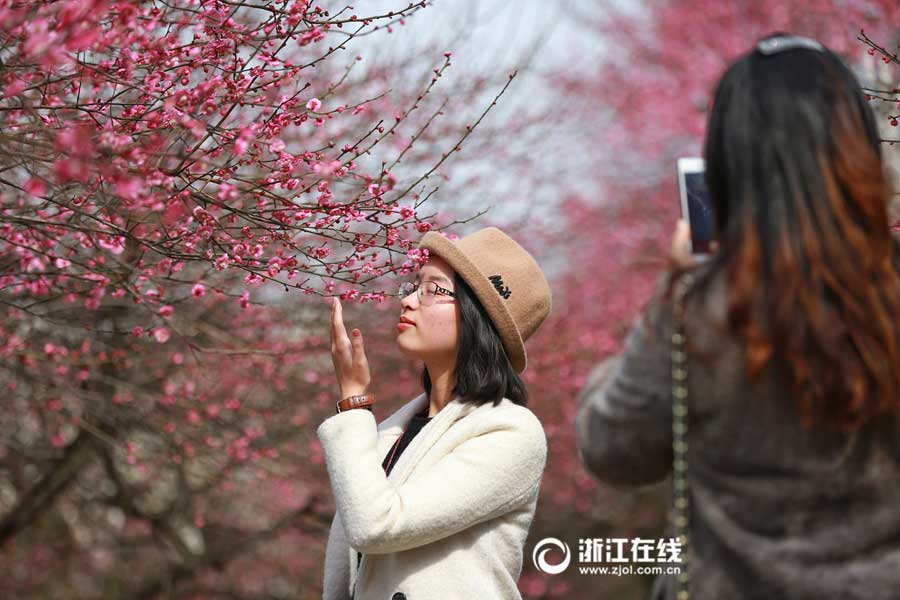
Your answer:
<point x="436" y="501"/>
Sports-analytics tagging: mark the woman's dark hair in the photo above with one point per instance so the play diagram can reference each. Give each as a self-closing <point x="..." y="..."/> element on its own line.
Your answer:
<point x="793" y="167"/>
<point x="483" y="371"/>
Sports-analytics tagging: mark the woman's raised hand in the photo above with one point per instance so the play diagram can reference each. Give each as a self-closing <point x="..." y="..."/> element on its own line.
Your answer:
<point x="348" y="355"/>
<point x="680" y="252"/>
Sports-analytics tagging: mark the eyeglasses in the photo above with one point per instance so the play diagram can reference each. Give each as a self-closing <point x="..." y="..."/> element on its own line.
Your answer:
<point x="787" y="42"/>
<point x="428" y="291"/>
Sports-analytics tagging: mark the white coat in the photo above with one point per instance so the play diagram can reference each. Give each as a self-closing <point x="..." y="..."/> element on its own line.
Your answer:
<point x="450" y="522"/>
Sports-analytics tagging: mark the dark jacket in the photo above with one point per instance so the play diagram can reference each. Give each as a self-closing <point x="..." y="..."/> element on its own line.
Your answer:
<point x="777" y="511"/>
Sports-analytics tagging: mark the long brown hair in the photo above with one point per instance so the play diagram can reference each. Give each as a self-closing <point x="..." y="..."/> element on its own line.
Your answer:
<point x="793" y="166"/>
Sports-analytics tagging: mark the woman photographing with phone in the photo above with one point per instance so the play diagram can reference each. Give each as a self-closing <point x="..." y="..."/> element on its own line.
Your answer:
<point x="783" y="356"/>
<point x="435" y="502"/>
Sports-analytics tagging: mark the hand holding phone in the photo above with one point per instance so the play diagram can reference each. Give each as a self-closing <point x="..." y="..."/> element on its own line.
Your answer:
<point x="680" y="251"/>
<point x="696" y="207"/>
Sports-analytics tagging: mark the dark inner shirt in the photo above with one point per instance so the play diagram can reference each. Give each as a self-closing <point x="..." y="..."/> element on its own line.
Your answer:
<point x="416" y="424"/>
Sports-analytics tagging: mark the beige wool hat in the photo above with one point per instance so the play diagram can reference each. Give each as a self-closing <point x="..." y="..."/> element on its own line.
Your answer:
<point x="505" y="278"/>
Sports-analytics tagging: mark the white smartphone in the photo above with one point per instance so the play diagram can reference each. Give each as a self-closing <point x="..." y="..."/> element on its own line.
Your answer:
<point x="696" y="207"/>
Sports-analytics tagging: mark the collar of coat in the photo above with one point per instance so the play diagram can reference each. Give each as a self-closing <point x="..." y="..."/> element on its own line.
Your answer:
<point x="392" y="428"/>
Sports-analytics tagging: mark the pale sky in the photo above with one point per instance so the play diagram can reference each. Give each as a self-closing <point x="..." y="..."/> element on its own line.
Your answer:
<point x="494" y="37"/>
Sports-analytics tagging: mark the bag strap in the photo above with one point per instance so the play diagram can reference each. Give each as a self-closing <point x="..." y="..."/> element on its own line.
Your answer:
<point x="680" y="504"/>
